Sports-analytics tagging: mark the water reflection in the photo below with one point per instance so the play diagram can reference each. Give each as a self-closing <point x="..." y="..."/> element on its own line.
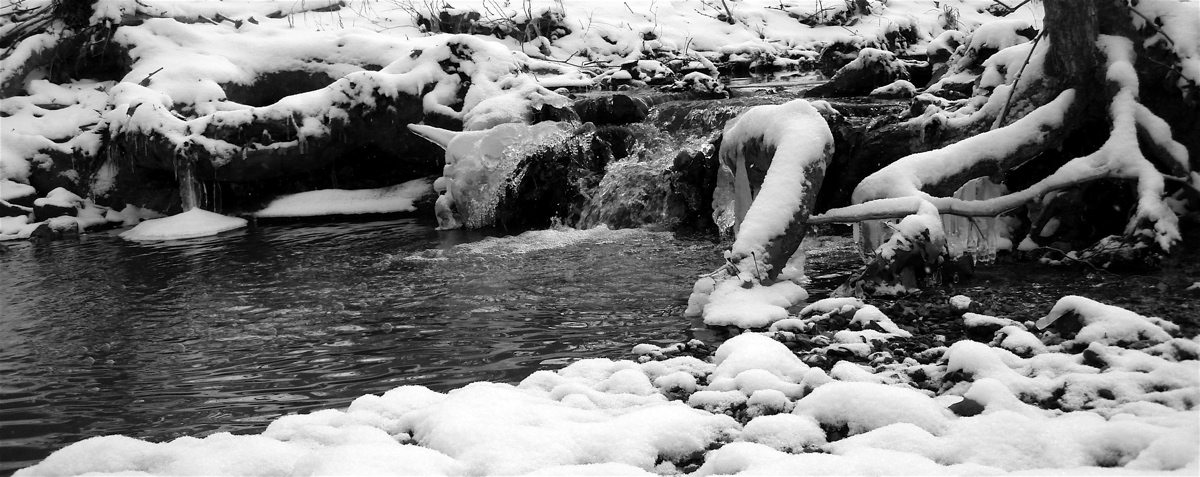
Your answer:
<point x="159" y="340"/>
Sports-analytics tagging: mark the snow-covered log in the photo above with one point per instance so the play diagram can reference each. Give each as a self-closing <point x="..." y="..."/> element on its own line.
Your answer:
<point x="773" y="158"/>
<point x="778" y="155"/>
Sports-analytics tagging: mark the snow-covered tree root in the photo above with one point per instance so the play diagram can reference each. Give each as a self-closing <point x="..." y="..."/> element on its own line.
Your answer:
<point x="899" y="189"/>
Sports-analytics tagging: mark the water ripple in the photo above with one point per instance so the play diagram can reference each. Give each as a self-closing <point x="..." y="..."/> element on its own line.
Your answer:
<point x="223" y="334"/>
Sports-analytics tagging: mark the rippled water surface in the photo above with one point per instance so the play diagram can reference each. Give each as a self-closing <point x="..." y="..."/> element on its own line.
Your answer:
<point x="103" y="336"/>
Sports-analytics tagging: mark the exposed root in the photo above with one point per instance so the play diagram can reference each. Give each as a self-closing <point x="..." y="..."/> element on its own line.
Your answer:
<point x="899" y="189"/>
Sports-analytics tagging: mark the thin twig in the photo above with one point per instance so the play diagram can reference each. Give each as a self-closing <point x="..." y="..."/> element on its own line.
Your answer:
<point x="1012" y="92"/>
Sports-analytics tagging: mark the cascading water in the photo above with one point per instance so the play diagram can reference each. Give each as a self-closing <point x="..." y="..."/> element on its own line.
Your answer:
<point x="189" y="190"/>
<point x="637" y="190"/>
<point x="194" y="193"/>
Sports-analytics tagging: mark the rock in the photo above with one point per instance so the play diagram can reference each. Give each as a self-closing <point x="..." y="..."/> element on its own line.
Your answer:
<point x="43" y="233"/>
<point x="64" y="226"/>
<point x="8" y="209"/>
<point x="47" y="211"/>
<point x="960" y="303"/>
<point x="873" y="68"/>
<point x="502" y="176"/>
<point x="693" y="178"/>
<point x="966" y="408"/>
<point x="612" y="109"/>
<point x="17" y="194"/>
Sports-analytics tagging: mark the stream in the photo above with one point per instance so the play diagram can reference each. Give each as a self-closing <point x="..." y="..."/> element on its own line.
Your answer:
<point x="160" y="340"/>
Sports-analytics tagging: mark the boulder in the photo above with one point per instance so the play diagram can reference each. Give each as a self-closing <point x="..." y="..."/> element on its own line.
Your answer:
<point x="873" y="68"/>
<point x="517" y="175"/>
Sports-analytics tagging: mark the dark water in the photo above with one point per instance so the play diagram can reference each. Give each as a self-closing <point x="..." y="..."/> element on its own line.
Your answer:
<point x="102" y="336"/>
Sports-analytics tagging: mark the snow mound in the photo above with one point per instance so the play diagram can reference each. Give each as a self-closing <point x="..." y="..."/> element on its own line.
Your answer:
<point x="1105" y="323"/>
<point x="862" y="407"/>
<point x="191" y="224"/>
<point x="756" y="307"/>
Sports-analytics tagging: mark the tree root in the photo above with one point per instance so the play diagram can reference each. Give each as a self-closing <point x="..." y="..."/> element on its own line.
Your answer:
<point x="899" y="189"/>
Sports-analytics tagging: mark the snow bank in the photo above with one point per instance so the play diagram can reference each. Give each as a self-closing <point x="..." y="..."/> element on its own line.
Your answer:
<point x="397" y="198"/>
<point x="191" y="224"/>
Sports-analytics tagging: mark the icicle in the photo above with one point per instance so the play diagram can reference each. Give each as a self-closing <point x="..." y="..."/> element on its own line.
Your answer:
<point x="974" y="236"/>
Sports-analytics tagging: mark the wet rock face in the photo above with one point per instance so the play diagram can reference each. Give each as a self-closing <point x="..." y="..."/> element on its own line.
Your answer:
<point x="551" y="181"/>
<point x="612" y="109"/>
<point x="693" y="180"/>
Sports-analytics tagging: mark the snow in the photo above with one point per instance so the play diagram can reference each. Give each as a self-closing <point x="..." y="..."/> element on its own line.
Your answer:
<point x="862" y="407"/>
<point x="1050" y="406"/>
<point x="398" y="198"/>
<point x="60" y="197"/>
<point x="13" y="225"/>
<point x="10" y="190"/>
<point x="896" y="89"/>
<point x="801" y="143"/>
<point x="801" y="138"/>
<point x="870" y="314"/>
<point x="1176" y="29"/>
<point x="1105" y="323"/>
<point x="191" y="224"/>
<point x="757" y="307"/>
<point x="785" y="432"/>
<point x="960" y="303"/>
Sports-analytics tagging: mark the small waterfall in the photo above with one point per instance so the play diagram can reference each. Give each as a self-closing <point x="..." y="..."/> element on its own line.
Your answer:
<point x="633" y="192"/>
<point x="695" y="117"/>
<point x="190" y="191"/>
<point x="638" y="190"/>
<point x="193" y="192"/>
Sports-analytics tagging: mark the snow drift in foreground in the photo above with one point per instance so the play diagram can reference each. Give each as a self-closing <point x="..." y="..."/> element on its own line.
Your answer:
<point x="755" y="408"/>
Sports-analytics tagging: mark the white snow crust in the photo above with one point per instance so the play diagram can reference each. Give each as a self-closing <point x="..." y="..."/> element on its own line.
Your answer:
<point x="398" y="198"/>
